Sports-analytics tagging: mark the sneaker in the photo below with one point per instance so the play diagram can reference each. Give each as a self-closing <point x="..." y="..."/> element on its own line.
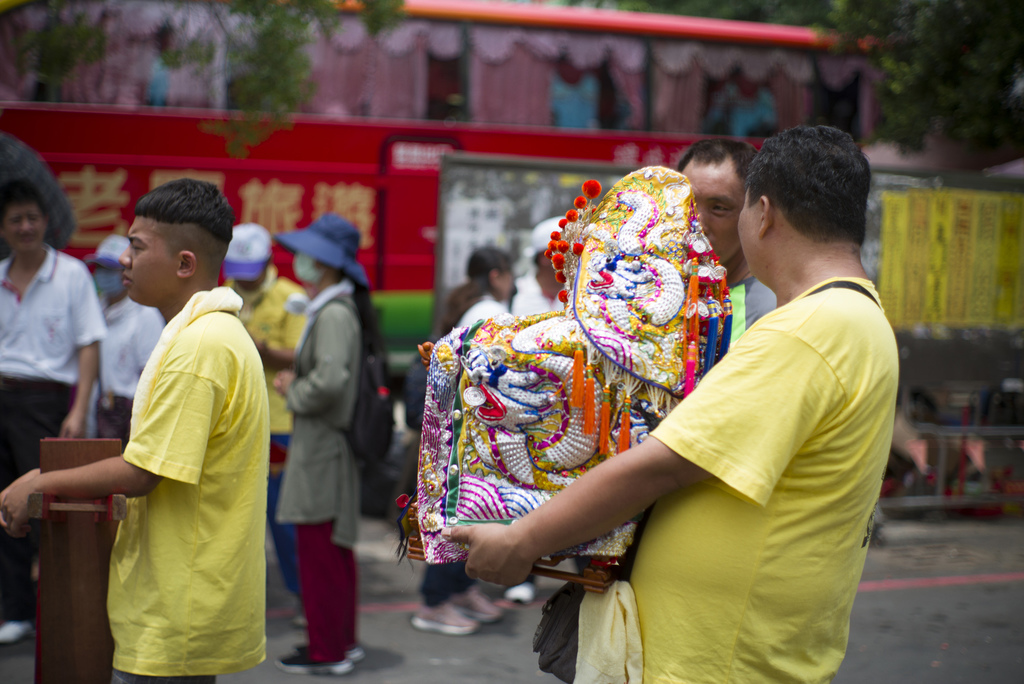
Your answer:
<point x="355" y="654"/>
<point x="476" y="606"/>
<point x="13" y="631"/>
<point x="299" y="662"/>
<point x="444" y="619"/>
<point x="521" y="593"/>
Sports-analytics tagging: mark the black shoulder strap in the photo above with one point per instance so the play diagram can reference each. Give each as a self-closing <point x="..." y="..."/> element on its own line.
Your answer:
<point x="846" y="285"/>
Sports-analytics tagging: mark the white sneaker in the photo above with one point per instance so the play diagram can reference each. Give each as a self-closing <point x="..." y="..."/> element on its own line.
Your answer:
<point x="521" y="593"/>
<point x="355" y="654"/>
<point x="13" y="631"/>
<point x="444" y="619"/>
<point x="475" y="605"/>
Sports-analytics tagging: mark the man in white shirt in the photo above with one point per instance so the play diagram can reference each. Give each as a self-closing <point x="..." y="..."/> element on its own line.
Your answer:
<point x="132" y="333"/>
<point x="50" y="327"/>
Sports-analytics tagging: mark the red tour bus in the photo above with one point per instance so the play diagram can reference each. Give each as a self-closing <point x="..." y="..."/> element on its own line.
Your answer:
<point x="491" y="78"/>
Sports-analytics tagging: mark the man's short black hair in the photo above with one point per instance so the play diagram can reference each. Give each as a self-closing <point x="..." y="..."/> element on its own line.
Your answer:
<point x="818" y="178"/>
<point x="200" y="214"/>
<point x="717" y="150"/>
<point x="20" y="191"/>
<point x="187" y="200"/>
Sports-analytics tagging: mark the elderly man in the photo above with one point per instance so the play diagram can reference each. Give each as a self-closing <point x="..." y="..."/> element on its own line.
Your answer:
<point x="717" y="169"/>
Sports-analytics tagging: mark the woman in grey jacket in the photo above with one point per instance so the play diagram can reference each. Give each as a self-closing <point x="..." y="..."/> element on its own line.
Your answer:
<point x="320" y="490"/>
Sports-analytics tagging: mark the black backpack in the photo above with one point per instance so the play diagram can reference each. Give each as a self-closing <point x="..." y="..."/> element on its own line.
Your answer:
<point x="373" y="422"/>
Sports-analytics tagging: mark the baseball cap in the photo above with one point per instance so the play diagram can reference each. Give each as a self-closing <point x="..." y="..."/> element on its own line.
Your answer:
<point x="248" y="252"/>
<point x="541" y="235"/>
<point x="108" y="252"/>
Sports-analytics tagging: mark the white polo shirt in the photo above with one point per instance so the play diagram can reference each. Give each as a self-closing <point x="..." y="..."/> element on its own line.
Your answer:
<point x="41" y="333"/>
<point x="132" y="332"/>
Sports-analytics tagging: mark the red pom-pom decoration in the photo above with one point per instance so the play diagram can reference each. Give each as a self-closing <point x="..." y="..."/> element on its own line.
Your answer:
<point x="591" y="189"/>
<point x="563" y="296"/>
<point x="555" y="235"/>
<point x="572" y="215"/>
<point x="559" y="276"/>
<point x="563" y="246"/>
<point x="562" y="223"/>
<point x="547" y="253"/>
<point x="553" y="245"/>
<point x="580" y="202"/>
<point x="558" y="260"/>
<point x="577" y="248"/>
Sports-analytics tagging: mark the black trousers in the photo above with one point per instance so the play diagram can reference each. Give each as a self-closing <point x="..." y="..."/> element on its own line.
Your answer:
<point x="26" y="416"/>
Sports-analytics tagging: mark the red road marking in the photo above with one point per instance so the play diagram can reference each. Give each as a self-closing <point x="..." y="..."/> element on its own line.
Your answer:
<point x="409" y="607"/>
<point x="870" y="585"/>
<point x="951" y="581"/>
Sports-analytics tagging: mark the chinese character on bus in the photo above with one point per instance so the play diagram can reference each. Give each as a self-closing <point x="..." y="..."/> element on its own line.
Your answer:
<point x="276" y="206"/>
<point x="161" y="176"/>
<point x="97" y="198"/>
<point x="355" y="202"/>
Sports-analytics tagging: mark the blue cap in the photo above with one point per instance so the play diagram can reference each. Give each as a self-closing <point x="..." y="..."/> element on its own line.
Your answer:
<point x="331" y="240"/>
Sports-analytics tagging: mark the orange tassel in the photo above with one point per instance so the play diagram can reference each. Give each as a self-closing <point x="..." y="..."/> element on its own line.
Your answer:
<point x="606" y="415"/>
<point x="588" y="405"/>
<point x="624" y="427"/>
<point x="576" y="399"/>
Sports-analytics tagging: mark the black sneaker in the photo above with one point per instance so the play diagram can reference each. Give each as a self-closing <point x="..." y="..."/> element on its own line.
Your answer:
<point x="299" y="662"/>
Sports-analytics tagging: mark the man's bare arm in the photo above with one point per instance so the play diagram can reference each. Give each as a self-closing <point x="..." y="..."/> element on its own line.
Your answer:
<point x="93" y="481"/>
<point x="603" y="498"/>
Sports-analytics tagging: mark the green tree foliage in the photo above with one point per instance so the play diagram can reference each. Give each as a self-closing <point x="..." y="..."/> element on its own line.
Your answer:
<point x="954" y="67"/>
<point x="57" y="49"/>
<point x="270" y="69"/>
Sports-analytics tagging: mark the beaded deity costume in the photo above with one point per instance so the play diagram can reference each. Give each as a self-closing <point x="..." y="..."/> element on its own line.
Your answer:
<point x="518" y="407"/>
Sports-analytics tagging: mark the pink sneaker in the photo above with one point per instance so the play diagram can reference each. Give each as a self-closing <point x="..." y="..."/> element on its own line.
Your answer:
<point x="444" y="619"/>
<point x="475" y="605"/>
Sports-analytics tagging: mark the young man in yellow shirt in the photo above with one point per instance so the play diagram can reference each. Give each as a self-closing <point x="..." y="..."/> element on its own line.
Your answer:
<point x="186" y="595"/>
<point x="766" y="476"/>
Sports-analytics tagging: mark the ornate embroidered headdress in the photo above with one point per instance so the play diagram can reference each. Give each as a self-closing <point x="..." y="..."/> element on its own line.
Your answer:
<point x="519" y="407"/>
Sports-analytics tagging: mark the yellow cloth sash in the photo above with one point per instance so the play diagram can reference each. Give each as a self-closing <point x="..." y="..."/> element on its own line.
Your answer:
<point x="610" y="651"/>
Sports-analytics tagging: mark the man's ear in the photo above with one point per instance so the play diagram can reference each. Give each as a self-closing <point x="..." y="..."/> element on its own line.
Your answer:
<point x="188" y="265"/>
<point x="768" y="216"/>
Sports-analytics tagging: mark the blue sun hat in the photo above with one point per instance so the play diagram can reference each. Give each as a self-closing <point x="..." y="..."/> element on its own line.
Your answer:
<point x="332" y="241"/>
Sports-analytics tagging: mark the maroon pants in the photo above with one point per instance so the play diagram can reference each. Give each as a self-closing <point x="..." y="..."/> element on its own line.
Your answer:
<point x="327" y="576"/>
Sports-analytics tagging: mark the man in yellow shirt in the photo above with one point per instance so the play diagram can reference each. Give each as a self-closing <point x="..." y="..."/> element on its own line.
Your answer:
<point x="766" y="476"/>
<point x="276" y="331"/>
<point x="186" y="596"/>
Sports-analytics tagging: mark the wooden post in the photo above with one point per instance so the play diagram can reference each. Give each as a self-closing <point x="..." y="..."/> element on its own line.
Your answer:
<point x="74" y="643"/>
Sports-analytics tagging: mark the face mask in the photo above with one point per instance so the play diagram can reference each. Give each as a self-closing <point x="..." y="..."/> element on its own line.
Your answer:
<point x="306" y="269"/>
<point x="108" y="281"/>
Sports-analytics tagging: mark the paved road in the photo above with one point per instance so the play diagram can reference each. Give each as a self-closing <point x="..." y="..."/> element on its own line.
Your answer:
<point x="942" y="601"/>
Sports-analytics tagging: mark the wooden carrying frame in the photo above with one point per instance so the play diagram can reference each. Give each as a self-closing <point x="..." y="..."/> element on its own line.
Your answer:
<point x="595" y="578"/>
<point x="76" y="536"/>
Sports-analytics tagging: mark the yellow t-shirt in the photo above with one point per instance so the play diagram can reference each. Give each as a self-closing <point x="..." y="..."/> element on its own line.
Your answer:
<point x="750" y="576"/>
<point x="187" y="573"/>
<point x="270" y="323"/>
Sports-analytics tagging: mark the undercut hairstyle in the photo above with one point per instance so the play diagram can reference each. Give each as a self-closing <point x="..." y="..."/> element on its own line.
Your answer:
<point x="20" y="191"/>
<point x="717" y="150"/>
<point x="195" y="216"/>
<point x="818" y="178"/>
